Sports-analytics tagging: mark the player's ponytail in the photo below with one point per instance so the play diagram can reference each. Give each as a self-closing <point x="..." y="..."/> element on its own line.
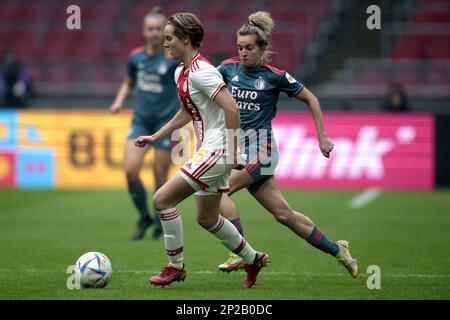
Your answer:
<point x="261" y="25"/>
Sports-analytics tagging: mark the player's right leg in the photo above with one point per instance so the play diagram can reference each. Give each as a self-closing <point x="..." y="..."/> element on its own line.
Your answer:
<point x="239" y="179"/>
<point x="165" y="200"/>
<point x="134" y="158"/>
<point x="208" y="217"/>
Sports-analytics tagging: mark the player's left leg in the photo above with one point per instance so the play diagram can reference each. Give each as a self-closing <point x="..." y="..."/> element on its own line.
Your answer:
<point x="271" y="198"/>
<point x="239" y="179"/>
<point x="165" y="200"/>
<point x="161" y="166"/>
<point x="208" y="217"/>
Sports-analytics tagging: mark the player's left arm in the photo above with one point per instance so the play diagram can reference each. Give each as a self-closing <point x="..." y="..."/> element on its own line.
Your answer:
<point x="325" y="144"/>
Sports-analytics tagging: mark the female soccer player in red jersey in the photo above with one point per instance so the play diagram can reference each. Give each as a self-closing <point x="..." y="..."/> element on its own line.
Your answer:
<point x="205" y="101"/>
<point x="256" y="86"/>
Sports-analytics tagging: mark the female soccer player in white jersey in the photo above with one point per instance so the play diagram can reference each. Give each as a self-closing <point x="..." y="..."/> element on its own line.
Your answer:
<point x="256" y="86"/>
<point x="206" y="101"/>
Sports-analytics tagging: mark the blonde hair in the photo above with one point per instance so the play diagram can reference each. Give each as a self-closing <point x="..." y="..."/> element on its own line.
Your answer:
<point x="261" y="25"/>
<point x="186" y="24"/>
<point x="156" y="12"/>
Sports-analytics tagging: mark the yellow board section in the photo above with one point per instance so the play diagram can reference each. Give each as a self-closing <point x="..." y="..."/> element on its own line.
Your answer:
<point x="88" y="145"/>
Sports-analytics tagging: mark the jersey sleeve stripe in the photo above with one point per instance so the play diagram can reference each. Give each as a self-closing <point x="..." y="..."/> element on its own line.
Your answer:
<point x="298" y="91"/>
<point x="222" y="85"/>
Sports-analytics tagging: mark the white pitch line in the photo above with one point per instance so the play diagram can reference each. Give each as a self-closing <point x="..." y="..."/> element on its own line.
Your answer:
<point x="363" y="198"/>
<point x="267" y="273"/>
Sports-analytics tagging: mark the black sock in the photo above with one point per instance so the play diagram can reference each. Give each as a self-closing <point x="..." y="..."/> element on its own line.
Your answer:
<point x="139" y="197"/>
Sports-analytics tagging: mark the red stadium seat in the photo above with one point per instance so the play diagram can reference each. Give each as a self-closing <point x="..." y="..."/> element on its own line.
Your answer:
<point x="112" y="30"/>
<point x="130" y="40"/>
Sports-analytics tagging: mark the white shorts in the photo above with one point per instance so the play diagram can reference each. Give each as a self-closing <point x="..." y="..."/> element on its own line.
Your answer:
<point x="207" y="172"/>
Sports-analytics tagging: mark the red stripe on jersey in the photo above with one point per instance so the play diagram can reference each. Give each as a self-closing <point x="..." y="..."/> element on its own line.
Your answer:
<point x="272" y="68"/>
<point x="203" y="164"/>
<point x="252" y="165"/>
<point x="263" y="156"/>
<point x="136" y="50"/>
<point x="211" y="164"/>
<point x="231" y="60"/>
<point x="200" y="183"/>
<point x="194" y="64"/>
<point x="223" y="190"/>
<point x="202" y="58"/>
<point x="190" y="106"/>
<point x="217" y="91"/>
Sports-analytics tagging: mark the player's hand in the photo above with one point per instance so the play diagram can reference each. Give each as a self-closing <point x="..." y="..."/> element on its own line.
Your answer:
<point x="326" y="146"/>
<point x="142" y="141"/>
<point x="115" y="108"/>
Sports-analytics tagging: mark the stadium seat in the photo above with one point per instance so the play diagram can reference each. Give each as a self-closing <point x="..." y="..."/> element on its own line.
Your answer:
<point x="111" y="31"/>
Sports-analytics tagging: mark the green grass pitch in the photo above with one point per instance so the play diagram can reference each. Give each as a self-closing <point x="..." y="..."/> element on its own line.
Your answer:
<point x="405" y="234"/>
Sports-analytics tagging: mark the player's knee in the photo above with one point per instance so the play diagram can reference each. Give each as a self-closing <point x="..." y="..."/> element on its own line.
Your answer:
<point x="131" y="173"/>
<point x="205" y="221"/>
<point x="283" y="215"/>
<point x="160" y="201"/>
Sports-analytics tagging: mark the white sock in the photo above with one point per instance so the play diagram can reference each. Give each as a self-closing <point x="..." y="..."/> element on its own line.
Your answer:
<point x="232" y="239"/>
<point x="173" y="235"/>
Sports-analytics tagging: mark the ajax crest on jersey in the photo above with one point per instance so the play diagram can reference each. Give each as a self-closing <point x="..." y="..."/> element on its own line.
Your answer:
<point x="260" y="84"/>
<point x="94" y="270"/>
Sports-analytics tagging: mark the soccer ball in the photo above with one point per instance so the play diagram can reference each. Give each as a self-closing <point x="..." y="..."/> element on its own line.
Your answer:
<point x="93" y="269"/>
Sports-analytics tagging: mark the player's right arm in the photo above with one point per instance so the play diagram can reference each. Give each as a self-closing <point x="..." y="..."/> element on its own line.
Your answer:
<point x="125" y="90"/>
<point x="179" y="120"/>
<point x="127" y="85"/>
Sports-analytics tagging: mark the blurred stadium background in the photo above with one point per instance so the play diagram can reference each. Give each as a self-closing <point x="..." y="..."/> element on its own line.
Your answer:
<point x="405" y="66"/>
<point x="324" y="43"/>
<point x="386" y="97"/>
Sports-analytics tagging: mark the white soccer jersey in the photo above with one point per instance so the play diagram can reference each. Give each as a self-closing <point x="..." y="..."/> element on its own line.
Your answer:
<point x="197" y="87"/>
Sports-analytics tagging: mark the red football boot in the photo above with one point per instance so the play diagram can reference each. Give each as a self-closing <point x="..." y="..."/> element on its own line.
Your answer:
<point x="254" y="269"/>
<point x="168" y="275"/>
